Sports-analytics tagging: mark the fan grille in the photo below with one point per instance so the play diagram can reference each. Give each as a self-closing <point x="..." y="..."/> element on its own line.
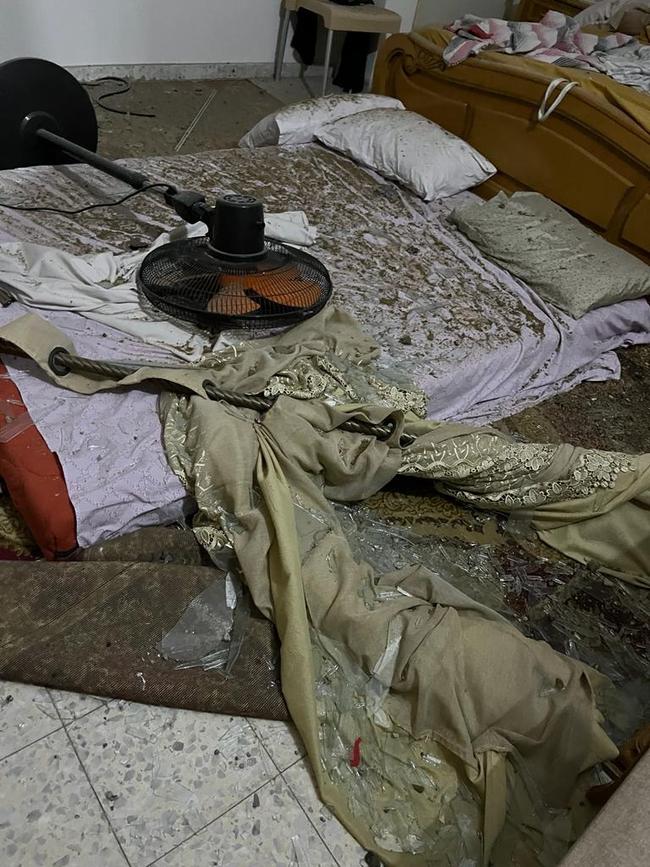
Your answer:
<point x="190" y="281"/>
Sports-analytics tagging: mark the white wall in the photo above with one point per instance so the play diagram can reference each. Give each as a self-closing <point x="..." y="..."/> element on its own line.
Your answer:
<point x="126" y="32"/>
<point x="108" y="32"/>
<point x="445" y="11"/>
<point x="405" y="8"/>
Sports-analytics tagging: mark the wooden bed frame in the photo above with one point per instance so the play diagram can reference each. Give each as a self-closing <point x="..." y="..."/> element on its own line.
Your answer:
<point x="588" y="156"/>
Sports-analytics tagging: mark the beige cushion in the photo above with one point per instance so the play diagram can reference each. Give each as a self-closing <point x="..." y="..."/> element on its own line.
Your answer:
<point x="563" y="261"/>
<point x="619" y="836"/>
<point x="599" y="12"/>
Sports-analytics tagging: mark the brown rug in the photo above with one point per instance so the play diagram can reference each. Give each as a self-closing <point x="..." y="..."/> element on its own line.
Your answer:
<point x="15" y="538"/>
<point x="612" y="415"/>
<point x="94" y="628"/>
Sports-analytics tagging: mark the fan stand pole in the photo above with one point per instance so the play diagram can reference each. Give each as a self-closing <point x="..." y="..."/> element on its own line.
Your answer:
<point x="188" y="204"/>
<point x="133" y="179"/>
<point x="45" y="113"/>
<point x="46" y="118"/>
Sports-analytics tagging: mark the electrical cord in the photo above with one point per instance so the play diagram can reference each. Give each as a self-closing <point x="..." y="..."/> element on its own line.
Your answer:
<point x="71" y="212"/>
<point x="125" y="89"/>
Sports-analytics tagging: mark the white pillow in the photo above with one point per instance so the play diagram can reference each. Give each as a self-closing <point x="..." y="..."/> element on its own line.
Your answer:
<point x="297" y="124"/>
<point x="406" y="147"/>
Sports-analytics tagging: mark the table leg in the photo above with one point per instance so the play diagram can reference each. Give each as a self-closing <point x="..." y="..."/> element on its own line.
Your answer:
<point x="328" y="54"/>
<point x="281" y="44"/>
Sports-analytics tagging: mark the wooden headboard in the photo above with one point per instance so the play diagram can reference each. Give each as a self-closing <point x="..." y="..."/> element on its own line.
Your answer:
<point x="589" y="156"/>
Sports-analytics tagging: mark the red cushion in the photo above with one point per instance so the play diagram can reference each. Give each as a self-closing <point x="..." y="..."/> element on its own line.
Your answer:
<point x="34" y="480"/>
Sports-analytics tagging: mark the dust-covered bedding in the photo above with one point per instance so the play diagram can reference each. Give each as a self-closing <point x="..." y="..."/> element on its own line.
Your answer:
<point x="480" y="344"/>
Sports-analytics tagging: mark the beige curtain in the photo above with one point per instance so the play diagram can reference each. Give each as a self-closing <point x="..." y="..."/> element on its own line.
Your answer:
<point x="427" y="717"/>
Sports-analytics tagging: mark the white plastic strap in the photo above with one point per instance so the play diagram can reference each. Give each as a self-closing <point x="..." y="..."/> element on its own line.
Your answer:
<point x="546" y="110"/>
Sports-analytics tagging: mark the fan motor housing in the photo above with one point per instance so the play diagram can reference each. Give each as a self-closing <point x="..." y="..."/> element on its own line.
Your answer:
<point x="236" y="227"/>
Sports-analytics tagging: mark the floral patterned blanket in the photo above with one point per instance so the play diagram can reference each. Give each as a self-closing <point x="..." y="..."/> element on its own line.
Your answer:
<point x="555" y="39"/>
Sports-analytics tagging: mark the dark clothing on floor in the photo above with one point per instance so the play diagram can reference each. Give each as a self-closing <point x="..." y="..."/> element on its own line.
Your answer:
<point x="351" y="72"/>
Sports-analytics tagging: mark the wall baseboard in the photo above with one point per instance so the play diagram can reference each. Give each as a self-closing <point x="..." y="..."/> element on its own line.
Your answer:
<point x="185" y="71"/>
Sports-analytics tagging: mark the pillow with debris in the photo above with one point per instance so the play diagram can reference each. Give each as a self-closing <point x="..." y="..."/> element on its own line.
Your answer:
<point x="406" y="147"/>
<point x="563" y="261"/>
<point x="298" y="124"/>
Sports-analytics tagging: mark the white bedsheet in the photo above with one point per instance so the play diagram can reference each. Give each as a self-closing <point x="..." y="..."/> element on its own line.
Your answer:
<point x="101" y="286"/>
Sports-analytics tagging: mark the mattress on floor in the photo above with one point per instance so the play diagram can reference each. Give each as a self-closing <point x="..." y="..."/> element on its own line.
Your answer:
<point x="478" y="342"/>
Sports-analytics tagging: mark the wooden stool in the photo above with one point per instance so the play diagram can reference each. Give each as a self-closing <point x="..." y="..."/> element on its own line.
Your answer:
<point x="360" y="19"/>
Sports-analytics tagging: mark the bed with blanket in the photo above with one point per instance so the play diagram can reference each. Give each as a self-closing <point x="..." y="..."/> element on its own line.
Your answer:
<point x="590" y="155"/>
<point x="479" y="343"/>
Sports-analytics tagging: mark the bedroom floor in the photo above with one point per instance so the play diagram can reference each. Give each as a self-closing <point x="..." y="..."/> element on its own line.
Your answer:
<point x="95" y="783"/>
<point x="90" y="782"/>
<point x="235" y="107"/>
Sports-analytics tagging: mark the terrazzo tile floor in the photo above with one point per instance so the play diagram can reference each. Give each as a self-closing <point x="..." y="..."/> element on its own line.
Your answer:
<point x="99" y="783"/>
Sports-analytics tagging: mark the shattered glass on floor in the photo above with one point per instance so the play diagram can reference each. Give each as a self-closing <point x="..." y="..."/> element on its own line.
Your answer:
<point x="410" y="792"/>
<point x="579" y="611"/>
<point x="406" y="791"/>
